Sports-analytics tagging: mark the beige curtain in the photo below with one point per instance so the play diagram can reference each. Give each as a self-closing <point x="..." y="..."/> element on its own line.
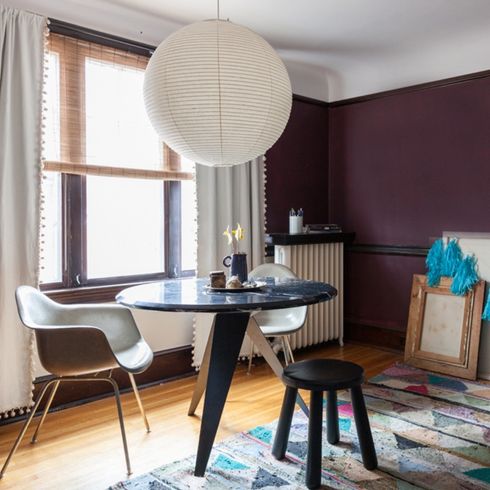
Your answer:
<point x="21" y="81"/>
<point x="225" y="196"/>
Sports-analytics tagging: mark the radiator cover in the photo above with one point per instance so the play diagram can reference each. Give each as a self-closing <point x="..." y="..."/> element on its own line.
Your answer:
<point x="318" y="262"/>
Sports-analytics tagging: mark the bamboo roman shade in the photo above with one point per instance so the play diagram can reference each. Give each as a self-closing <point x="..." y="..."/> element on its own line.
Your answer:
<point x="96" y="124"/>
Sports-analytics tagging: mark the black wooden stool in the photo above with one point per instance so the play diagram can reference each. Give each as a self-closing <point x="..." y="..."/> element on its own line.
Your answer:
<point x="317" y="376"/>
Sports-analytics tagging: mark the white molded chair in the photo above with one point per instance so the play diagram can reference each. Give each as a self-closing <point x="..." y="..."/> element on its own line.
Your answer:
<point x="75" y="343"/>
<point x="278" y="323"/>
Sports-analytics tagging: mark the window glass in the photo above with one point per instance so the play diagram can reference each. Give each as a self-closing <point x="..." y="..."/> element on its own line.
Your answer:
<point x="95" y="115"/>
<point x="189" y="225"/>
<point x="189" y="218"/>
<point x="118" y="131"/>
<point x="51" y="239"/>
<point x="125" y="220"/>
<point x="187" y="165"/>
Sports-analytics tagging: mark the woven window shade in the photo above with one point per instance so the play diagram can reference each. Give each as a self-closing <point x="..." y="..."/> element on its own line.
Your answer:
<point x="96" y="122"/>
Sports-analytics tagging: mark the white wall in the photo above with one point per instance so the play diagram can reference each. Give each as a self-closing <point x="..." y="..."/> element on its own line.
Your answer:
<point x="164" y="330"/>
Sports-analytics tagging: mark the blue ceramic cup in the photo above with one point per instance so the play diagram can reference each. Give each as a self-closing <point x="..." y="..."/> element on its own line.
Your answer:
<point x="238" y="264"/>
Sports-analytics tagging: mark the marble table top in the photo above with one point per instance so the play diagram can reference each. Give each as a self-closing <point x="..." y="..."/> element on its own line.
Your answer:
<point x="191" y="295"/>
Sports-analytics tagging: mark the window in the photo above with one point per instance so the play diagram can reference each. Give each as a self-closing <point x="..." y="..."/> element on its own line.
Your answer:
<point x="119" y="204"/>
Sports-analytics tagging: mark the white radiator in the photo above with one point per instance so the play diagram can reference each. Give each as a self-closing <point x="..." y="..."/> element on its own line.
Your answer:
<point x="318" y="262"/>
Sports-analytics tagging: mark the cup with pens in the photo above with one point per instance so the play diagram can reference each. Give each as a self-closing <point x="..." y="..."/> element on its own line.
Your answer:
<point x="295" y="221"/>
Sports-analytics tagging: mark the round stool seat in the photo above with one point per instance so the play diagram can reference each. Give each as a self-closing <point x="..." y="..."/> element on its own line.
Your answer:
<point x="323" y="375"/>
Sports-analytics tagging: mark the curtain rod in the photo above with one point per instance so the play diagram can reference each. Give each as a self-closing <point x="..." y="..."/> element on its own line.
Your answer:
<point x="86" y="34"/>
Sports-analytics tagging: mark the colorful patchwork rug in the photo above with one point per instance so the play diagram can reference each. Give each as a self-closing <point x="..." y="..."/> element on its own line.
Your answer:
<point x="430" y="431"/>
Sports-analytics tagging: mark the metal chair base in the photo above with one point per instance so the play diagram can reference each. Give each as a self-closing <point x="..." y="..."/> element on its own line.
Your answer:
<point x="286" y="348"/>
<point x="55" y="383"/>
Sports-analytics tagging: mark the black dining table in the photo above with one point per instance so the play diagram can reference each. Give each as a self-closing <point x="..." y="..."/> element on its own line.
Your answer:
<point x="233" y="312"/>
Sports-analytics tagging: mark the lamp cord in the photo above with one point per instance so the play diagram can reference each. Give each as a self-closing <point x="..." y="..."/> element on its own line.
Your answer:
<point x="217" y="8"/>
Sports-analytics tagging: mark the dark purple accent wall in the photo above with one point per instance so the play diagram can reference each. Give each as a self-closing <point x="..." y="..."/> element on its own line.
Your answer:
<point x="377" y="288"/>
<point x="297" y="168"/>
<point x="407" y="167"/>
<point x="403" y="169"/>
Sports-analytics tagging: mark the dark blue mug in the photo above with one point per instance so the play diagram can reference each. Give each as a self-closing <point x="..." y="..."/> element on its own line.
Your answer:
<point x="238" y="264"/>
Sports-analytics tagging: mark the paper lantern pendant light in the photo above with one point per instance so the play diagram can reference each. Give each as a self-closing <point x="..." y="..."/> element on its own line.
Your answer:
<point x="217" y="93"/>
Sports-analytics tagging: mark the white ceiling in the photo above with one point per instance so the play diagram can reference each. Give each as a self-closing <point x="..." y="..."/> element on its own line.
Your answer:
<point x="334" y="49"/>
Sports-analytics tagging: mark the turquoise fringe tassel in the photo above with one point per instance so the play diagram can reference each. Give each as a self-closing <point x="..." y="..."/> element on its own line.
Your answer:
<point x="466" y="276"/>
<point x="434" y="263"/>
<point x="452" y="259"/>
<point x="486" y="311"/>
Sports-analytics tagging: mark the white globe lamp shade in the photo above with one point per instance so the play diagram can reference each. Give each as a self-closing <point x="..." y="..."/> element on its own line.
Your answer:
<point x="217" y="93"/>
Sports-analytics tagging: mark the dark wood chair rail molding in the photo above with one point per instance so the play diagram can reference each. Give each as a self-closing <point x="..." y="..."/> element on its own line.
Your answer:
<point x="167" y="365"/>
<point x="102" y="294"/>
<point x="408" y="250"/>
<point x="308" y="238"/>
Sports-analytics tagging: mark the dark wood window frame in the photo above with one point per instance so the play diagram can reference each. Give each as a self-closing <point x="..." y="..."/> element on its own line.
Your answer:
<point x="75" y="286"/>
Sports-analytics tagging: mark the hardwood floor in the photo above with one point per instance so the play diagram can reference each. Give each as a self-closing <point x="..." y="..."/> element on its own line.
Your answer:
<point x="80" y="448"/>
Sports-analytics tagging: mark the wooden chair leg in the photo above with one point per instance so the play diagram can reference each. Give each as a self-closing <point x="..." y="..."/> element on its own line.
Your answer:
<point x="364" y="435"/>
<point x="314" y="458"/>
<point x="284" y="425"/>
<point x="139" y="402"/>
<point x="333" y="433"/>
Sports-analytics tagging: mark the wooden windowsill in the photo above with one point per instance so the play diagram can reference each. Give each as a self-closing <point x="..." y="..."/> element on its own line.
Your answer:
<point x="88" y="294"/>
<point x="100" y="293"/>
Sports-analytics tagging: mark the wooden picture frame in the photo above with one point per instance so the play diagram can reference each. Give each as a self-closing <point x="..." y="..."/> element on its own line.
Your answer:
<point x="443" y="332"/>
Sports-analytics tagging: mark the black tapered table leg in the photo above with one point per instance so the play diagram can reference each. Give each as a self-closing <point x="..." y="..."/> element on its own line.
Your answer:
<point x="284" y="425"/>
<point x="229" y="331"/>
<point x="314" y="458"/>
<point x="333" y="434"/>
<point x="364" y="435"/>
